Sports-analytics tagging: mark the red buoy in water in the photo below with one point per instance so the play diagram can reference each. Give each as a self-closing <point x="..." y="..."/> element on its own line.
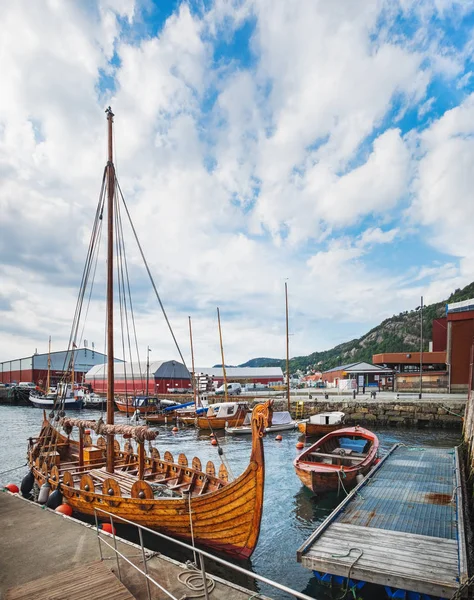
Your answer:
<point x="107" y="527"/>
<point x="175" y="429"/>
<point x="214" y="442"/>
<point x="279" y="438"/>
<point x="300" y="445"/>
<point x="64" y="509"/>
<point x="12" y="487"/>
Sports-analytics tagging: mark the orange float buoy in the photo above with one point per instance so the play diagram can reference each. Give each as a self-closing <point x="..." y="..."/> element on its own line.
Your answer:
<point x="107" y="527"/>
<point x="212" y="435"/>
<point x="300" y="445"/>
<point x="279" y="438"/>
<point x="64" y="509"/>
<point x="214" y="442"/>
<point x="175" y="429"/>
<point x="12" y="487"/>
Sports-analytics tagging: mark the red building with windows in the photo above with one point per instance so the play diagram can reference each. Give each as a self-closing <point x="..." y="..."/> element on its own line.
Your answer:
<point x="447" y="367"/>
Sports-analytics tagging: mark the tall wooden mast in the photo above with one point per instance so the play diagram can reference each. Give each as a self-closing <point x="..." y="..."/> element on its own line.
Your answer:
<point x="110" y="290"/>
<point x="222" y="355"/>
<point x="192" y="363"/>
<point x="48" y="378"/>
<point x="287" y="351"/>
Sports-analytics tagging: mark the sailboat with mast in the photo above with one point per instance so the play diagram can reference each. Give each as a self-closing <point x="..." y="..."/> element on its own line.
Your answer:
<point x="281" y="421"/>
<point x="73" y="397"/>
<point x="174" y="495"/>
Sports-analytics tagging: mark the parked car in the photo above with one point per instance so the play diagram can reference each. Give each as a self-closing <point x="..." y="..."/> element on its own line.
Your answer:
<point x="233" y="389"/>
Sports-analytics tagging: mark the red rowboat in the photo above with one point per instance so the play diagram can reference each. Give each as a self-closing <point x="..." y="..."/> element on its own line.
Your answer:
<point x="337" y="458"/>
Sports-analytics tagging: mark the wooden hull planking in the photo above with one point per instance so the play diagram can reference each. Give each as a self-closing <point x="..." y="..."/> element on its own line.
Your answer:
<point x="130" y="409"/>
<point x="320" y="481"/>
<point x="211" y="422"/>
<point x="316" y="429"/>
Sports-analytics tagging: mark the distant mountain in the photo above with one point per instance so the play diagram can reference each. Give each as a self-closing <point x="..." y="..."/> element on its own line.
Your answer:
<point x="262" y="362"/>
<point x="399" y="333"/>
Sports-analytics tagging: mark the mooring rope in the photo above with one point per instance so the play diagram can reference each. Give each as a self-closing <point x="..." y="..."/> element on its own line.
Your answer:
<point x="14" y="469"/>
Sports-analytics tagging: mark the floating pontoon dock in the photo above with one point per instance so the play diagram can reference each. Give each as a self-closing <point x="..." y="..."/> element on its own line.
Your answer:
<point x="402" y="527"/>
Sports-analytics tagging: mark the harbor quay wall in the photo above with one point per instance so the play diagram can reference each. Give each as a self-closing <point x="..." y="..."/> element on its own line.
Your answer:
<point x="413" y="413"/>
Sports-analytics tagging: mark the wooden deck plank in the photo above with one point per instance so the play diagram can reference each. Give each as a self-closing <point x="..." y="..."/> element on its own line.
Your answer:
<point x="388" y="539"/>
<point x="393" y="557"/>
<point x="93" y="581"/>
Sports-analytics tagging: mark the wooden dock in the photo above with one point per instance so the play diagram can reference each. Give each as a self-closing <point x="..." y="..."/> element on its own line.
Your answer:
<point x="402" y="527"/>
<point x="74" y="584"/>
<point x="41" y="548"/>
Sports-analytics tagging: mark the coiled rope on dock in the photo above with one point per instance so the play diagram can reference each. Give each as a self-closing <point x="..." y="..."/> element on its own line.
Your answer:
<point x="193" y="580"/>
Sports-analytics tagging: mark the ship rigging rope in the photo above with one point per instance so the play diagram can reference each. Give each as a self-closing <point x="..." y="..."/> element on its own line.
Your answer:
<point x="68" y="365"/>
<point x="150" y="275"/>
<point x="220" y="449"/>
<point x="93" y="248"/>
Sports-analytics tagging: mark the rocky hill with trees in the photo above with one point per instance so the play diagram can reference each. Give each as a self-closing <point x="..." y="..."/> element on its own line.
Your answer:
<point x="400" y="333"/>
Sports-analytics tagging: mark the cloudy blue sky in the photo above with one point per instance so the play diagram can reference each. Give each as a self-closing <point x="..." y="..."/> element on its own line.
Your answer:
<point x="329" y="144"/>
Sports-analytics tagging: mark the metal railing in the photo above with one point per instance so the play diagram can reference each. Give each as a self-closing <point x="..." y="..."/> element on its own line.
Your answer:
<point x="197" y="551"/>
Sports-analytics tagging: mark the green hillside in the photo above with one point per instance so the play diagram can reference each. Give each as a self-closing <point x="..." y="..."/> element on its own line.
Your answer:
<point x="400" y="333"/>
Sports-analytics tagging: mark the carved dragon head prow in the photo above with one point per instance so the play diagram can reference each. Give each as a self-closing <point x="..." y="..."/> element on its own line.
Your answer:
<point x="262" y="417"/>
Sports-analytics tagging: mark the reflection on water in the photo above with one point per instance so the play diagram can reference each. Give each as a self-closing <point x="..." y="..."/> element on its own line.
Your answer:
<point x="291" y="512"/>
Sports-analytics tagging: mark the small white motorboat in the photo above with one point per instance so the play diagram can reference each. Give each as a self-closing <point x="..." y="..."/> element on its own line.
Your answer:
<point x="281" y="421"/>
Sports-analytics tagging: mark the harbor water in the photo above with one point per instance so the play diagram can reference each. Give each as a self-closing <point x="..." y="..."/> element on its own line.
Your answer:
<point x="291" y="512"/>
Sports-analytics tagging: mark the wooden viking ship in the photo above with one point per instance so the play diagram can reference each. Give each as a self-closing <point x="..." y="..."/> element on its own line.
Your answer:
<point x="156" y="491"/>
<point x="177" y="497"/>
<point x="337" y="459"/>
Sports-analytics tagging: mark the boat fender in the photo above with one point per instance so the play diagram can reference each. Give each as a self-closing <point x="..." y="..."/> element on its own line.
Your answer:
<point x="220" y="452"/>
<point x="107" y="527"/>
<point x="44" y="493"/>
<point x="214" y="442"/>
<point x="64" y="509"/>
<point x="12" y="487"/>
<point x="27" y="484"/>
<point x="279" y="438"/>
<point x="300" y="445"/>
<point x="359" y="477"/>
<point x="175" y="429"/>
<point x="55" y="499"/>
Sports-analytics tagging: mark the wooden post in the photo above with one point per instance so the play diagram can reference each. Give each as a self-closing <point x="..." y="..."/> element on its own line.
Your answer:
<point x="222" y="355"/>
<point x="193" y="376"/>
<point x="141" y="459"/>
<point x="287" y="352"/>
<point x="81" y="446"/>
